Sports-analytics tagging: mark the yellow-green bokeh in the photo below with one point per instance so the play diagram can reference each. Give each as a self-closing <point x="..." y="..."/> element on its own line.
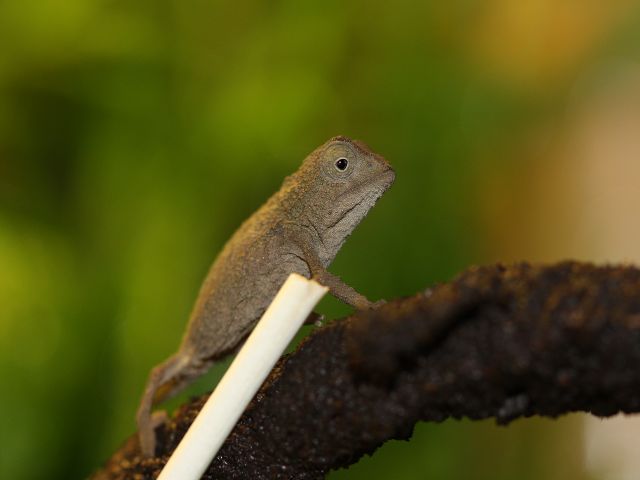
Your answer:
<point x="136" y="136"/>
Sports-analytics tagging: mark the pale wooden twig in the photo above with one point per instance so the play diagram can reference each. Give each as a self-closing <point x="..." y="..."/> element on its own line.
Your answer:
<point x="284" y="317"/>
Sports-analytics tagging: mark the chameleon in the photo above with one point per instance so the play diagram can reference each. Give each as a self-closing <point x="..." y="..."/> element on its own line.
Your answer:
<point x="300" y="229"/>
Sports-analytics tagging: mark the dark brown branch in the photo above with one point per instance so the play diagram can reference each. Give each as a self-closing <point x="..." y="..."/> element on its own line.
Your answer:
<point x="503" y="342"/>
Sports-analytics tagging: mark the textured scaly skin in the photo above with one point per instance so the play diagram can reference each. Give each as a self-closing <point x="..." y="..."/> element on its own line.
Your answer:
<point x="299" y="229"/>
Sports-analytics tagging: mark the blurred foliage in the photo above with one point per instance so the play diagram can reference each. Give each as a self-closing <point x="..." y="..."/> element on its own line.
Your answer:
<point x="136" y="136"/>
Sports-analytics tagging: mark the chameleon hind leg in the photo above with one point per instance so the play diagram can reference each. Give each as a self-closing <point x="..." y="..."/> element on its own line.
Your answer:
<point x="165" y="380"/>
<point x="170" y="378"/>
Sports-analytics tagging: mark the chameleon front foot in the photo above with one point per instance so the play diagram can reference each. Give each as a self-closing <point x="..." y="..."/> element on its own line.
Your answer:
<point x="378" y="304"/>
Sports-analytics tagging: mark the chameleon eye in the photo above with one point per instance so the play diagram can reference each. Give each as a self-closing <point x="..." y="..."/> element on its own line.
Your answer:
<point x="342" y="164"/>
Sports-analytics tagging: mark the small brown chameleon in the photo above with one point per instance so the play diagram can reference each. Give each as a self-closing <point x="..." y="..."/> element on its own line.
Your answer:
<point x="299" y="229"/>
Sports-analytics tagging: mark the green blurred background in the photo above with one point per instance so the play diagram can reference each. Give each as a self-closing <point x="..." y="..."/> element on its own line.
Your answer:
<point x="136" y="136"/>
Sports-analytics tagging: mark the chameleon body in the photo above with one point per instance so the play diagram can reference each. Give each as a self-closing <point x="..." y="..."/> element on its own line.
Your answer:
<point x="299" y="229"/>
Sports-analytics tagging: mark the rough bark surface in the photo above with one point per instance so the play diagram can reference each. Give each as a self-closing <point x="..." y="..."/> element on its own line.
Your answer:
<point x="498" y="341"/>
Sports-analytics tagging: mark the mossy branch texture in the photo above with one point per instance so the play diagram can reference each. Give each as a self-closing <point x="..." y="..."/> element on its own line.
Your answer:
<point x="498" y="341"/>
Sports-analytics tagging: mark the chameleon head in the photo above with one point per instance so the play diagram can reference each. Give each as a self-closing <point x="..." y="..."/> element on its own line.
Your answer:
<point x="348" y="180"/>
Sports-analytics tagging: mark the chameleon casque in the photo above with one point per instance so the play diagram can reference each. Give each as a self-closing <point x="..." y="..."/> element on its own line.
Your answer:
<point x="299" y="229"/>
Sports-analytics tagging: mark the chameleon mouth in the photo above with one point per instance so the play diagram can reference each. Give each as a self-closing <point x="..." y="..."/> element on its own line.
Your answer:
<point x="386" y="179"/>
<point x="390" y="175"/>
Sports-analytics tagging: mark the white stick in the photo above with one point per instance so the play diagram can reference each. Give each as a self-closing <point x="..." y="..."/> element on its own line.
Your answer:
<point x="284" y="317"/>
